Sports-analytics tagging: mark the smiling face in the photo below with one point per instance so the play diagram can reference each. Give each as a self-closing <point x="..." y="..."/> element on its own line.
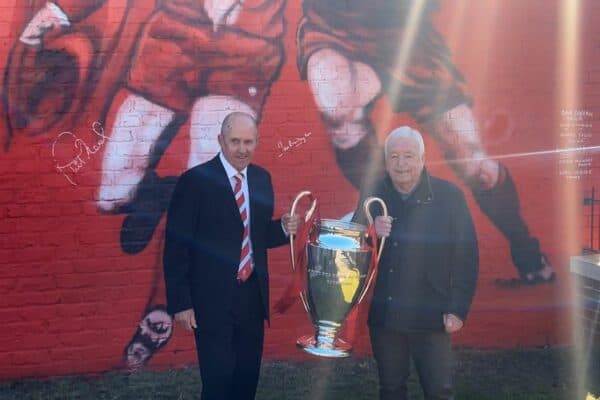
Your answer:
<point x="404" y="163"/>
<point x="238" y="140"/>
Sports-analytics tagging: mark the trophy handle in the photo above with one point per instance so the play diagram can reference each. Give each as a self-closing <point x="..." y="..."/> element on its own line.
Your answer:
<point x="309" y="214"/>
<point x="367" y="206"/>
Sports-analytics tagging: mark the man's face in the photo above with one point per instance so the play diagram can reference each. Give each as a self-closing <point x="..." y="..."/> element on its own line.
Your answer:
<point x="404" y="163"/>
<point x="239" y="144"/>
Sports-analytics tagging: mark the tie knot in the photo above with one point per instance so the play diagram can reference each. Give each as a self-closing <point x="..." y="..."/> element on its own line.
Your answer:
<point x="238" y="182"/>
<point x="239" y="178"/>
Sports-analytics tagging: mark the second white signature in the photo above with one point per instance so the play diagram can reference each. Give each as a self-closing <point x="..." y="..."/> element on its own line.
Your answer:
<point x="292" y="144"/>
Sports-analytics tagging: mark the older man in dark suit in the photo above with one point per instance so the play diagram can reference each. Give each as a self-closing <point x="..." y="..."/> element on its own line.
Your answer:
<point x="219" y="227"/>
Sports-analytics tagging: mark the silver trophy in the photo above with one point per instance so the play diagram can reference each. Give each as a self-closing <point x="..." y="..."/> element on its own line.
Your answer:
<point x="338" y="275"/>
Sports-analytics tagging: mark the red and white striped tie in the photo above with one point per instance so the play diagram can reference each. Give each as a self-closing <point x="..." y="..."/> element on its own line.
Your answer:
<point x="245" y="268"/>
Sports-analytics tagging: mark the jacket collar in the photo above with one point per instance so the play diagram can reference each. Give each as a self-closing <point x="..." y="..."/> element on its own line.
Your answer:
<point x="216" y="164"/>
<point x="229" y="169"/>
<point x="422" y="193"/>
<point x="224" y="182"/>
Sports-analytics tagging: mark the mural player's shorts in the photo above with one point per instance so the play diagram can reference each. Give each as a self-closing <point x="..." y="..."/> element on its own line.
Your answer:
<point x="425" y="84"/>
<point x="175" y="63"/>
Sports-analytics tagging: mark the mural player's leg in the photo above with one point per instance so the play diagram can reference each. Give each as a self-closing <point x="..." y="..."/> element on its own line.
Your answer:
<point x="205" y="125"/>
<point x="156" y="325"/>
<point x="129" y="183"/>
<point x="152" y="334"/>
<point x="493" y="189"/>
<point x="138" y="125"/>
<point x="344" y="91"/>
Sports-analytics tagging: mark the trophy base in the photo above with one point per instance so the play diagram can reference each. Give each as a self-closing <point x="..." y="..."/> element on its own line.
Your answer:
<point x="339" y="349"/>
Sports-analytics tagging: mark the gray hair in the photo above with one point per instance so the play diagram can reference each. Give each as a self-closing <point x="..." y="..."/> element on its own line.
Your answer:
<point x="404" y="132"/>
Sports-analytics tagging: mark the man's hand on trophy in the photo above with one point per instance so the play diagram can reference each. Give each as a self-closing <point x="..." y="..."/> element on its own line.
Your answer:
<point x="46" y="19"/>
<point x="187" y="319"/>
<point x="290" y="223"/>
<point x="452" y="323"/>
<point x="383" y="225"/>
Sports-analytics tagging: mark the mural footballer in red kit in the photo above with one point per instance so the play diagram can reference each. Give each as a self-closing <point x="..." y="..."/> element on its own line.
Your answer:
<point x="392" y="48"/>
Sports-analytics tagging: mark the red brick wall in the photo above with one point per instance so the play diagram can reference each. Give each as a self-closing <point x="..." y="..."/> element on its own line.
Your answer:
<point x="72" y="295"/>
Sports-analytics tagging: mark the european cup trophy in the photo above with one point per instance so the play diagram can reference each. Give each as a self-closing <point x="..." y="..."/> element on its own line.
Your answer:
<point x="339" y="268"/>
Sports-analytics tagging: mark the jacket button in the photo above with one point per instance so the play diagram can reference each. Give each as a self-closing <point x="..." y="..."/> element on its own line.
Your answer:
<point x="395" y="244"/>
<point x="391" y="269"/>
<point x="389" y="298"/>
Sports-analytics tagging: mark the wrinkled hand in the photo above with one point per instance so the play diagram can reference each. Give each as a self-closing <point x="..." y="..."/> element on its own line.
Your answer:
<point x="452" y="323"/>
<point x="383" y="226"/>
<point x="187" y="319"/>
<point x="291" y="223"/>
<point x="43" y="21"/>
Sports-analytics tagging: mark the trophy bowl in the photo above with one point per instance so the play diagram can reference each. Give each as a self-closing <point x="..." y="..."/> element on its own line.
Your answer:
<point x="339" y="271"/>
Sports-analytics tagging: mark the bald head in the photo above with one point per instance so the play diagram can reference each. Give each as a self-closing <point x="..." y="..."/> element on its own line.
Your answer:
<point x="238" y="139"/>
<point x="238" y="120"/>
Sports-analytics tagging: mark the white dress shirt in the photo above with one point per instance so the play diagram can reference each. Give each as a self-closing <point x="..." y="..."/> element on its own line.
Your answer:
<point x="231" y="173"/>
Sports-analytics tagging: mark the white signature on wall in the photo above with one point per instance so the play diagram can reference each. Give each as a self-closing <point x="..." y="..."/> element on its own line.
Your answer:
<point x="83" y="151"/>
<point x="292" y="143"/>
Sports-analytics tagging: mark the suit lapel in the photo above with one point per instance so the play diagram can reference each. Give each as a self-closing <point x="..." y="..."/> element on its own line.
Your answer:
<point x="252" y="191"/>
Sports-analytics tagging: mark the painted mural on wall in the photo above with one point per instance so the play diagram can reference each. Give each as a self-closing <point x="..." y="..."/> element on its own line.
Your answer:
<point x="115" y="83"/>
<point x="392" y="49"/>
<point x="185" y="60"/>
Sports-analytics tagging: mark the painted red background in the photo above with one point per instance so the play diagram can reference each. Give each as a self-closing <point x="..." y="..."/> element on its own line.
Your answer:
<point x="70" y="299"/>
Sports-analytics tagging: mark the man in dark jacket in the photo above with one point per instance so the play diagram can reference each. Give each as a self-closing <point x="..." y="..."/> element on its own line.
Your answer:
<point x="219" y="227"/>
<point x="427" y="271"/>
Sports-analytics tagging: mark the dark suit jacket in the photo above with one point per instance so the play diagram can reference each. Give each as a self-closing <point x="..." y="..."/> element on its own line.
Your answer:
<point x="204" y="236"/>
<point x="430" y="262"/>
